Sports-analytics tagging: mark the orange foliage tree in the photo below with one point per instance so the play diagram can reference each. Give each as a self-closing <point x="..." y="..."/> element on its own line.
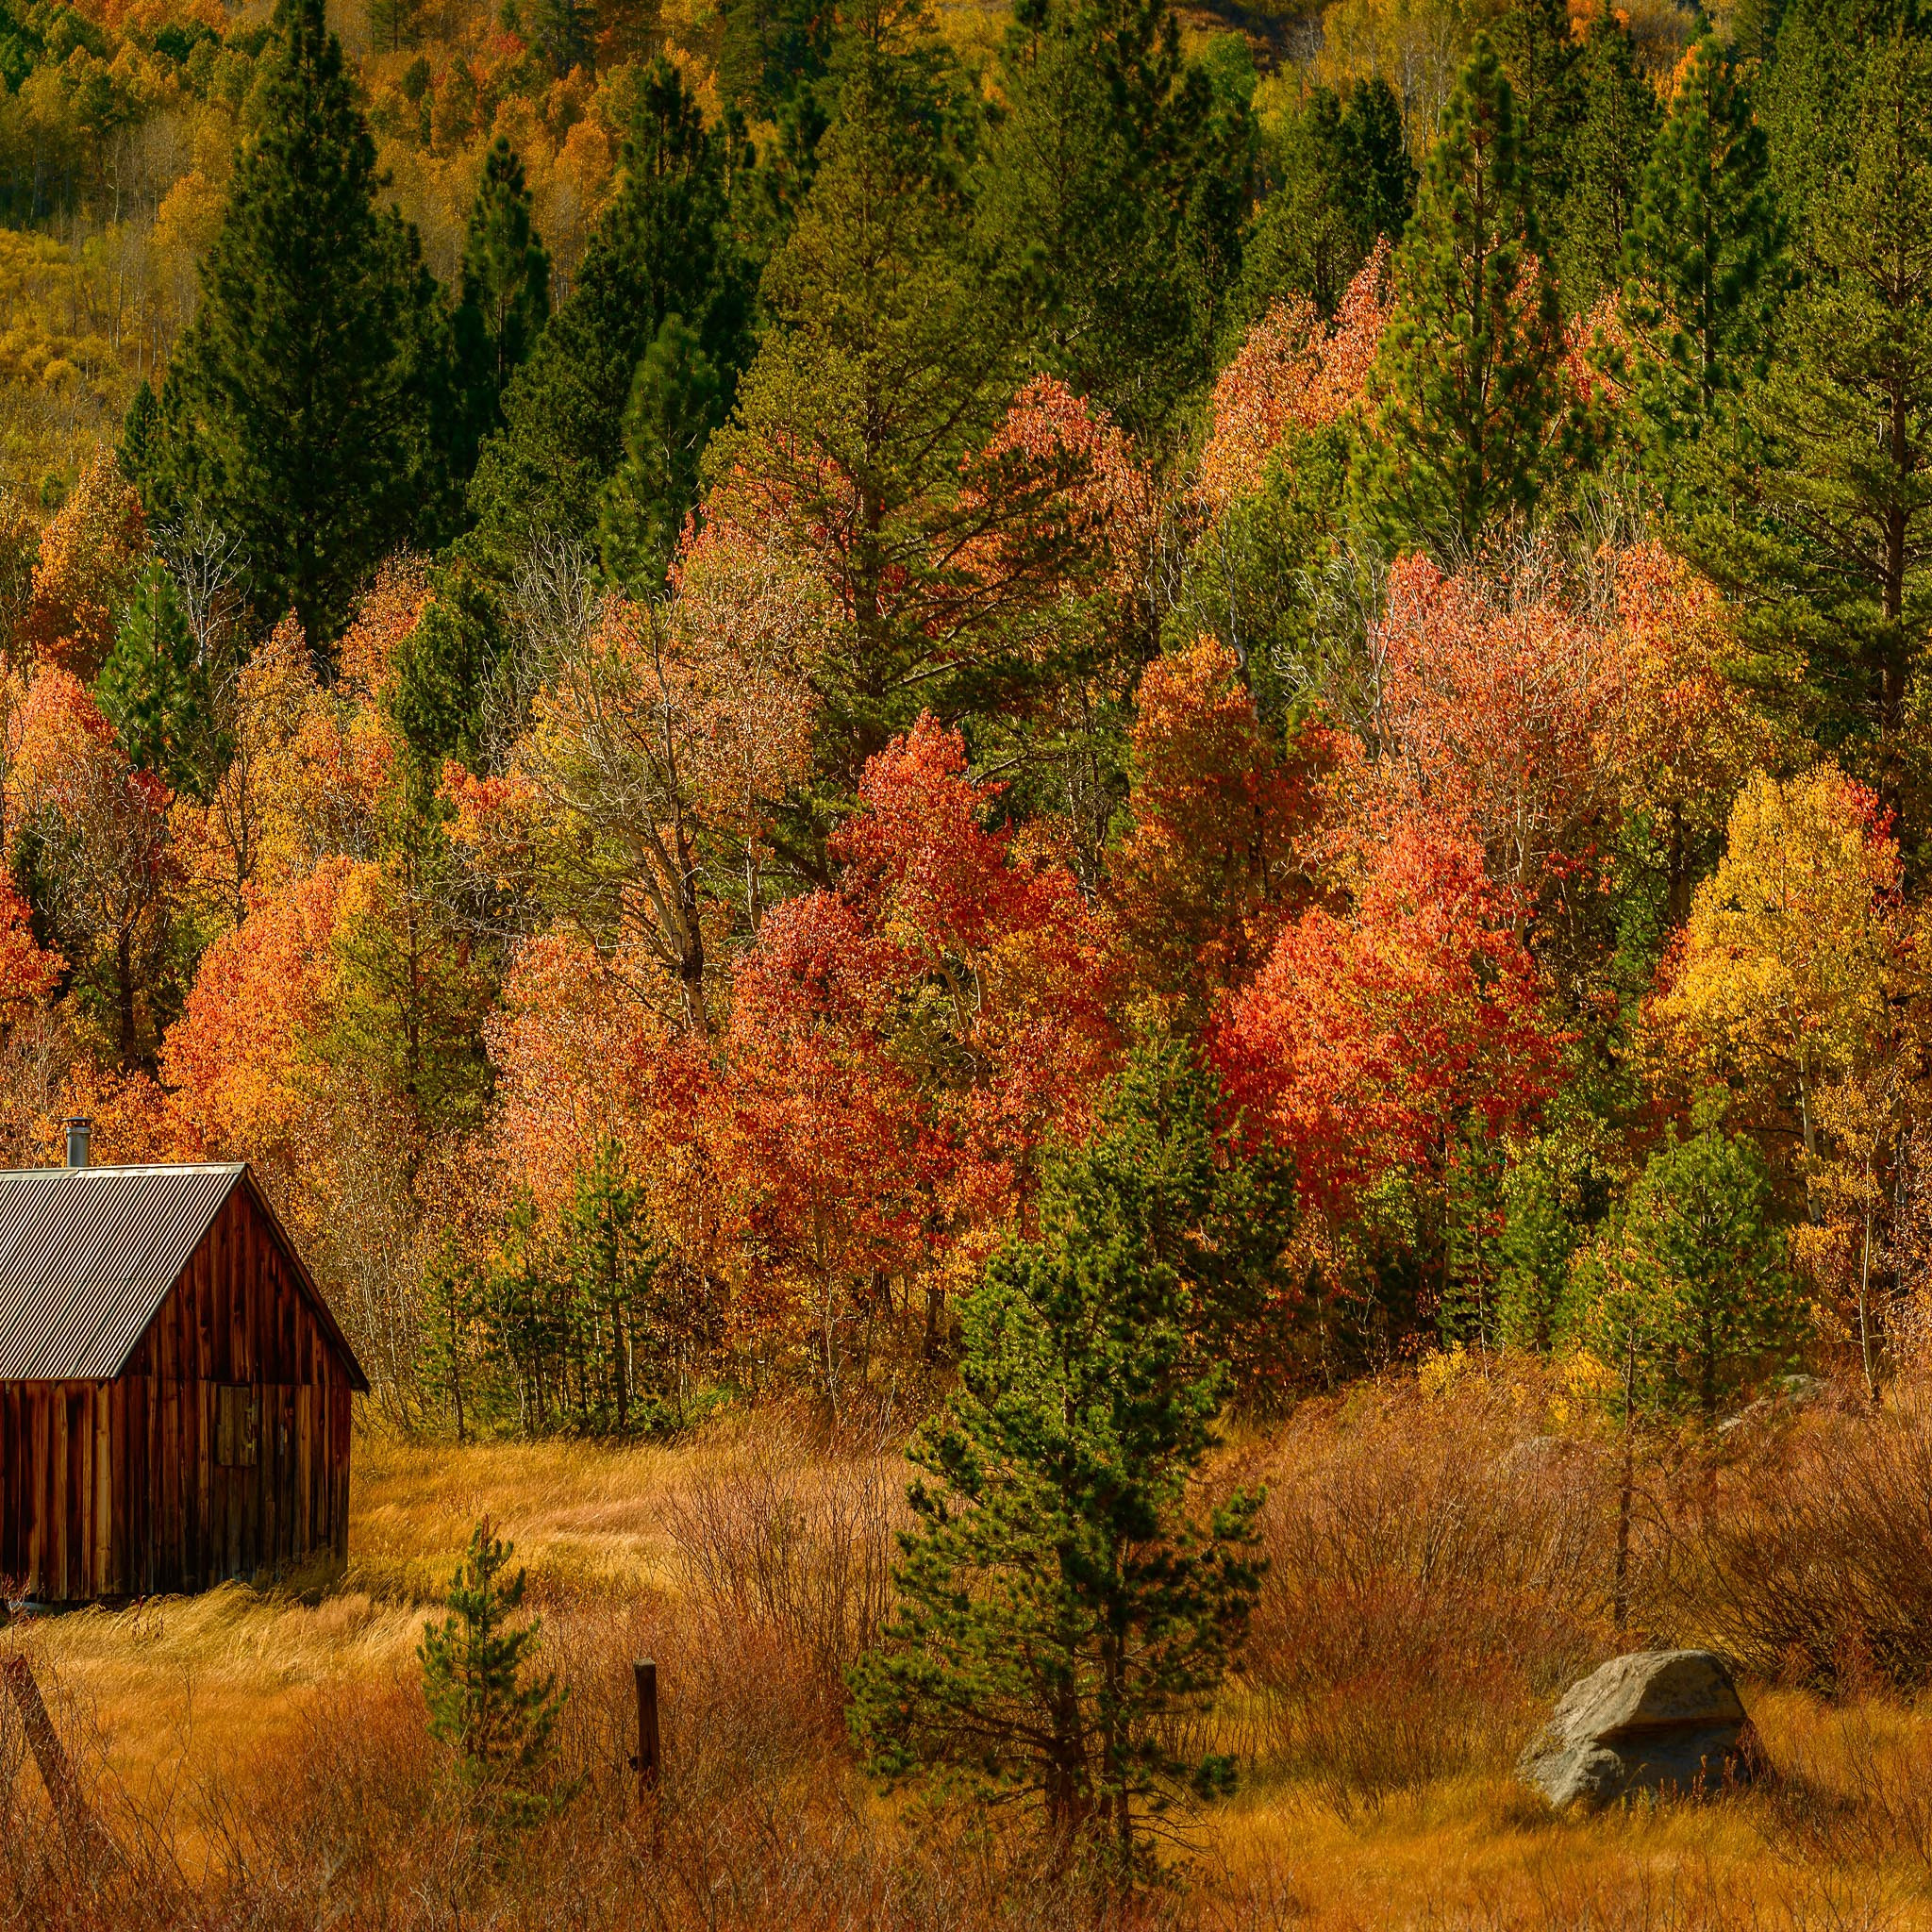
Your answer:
<point x="101" y="836"/>
<point x="28" y="974"/>
<point x="1218" y="856"/>
<point x="241" y="1059"/>
<point x="827" y="1157"/>
<point x="1290" y="375"/>
<point x="1496" y="701"/>
<point x="1007" y="975"/>
<point x="89" y="556"/>
<point x="898" y="1050"/>
<point x="1370" y="1041"/>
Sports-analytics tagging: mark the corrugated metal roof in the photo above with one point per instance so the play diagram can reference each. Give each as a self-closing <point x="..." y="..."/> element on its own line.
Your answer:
<point x="86" y="1256"/>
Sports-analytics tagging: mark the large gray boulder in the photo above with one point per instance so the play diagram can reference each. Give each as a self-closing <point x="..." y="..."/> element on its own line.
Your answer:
<point x="1661" y="1721"/>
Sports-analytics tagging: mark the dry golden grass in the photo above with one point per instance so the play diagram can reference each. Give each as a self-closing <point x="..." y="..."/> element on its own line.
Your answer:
<point x="584" y="1517"/>
<point x="265" y="1759"/>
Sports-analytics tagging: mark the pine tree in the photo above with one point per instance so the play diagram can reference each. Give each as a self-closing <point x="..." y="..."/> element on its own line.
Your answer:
<point x="504" y="301"/>
<point x="1471" y="420"/>
<point x="1690" y="1285"/>
<point x="677" y="402"/>
<point x="524" y="1309"/>
<point x="667" y="246"/>
<point x="1376" y="180"/>
<point x="140" y="428"/>
<point x="287" y="410"/>
<point x="1609" y="151"/>
<point x="452" y="1296"/>
<point x="484" y="1701"/>
<point x="1810" y="87"/>
<point x="1112" y="196"/>
<point x="1705" y="256"/>
<point x="882" y="371"/>
<point x="440" y="677"/>
<point x="154" y="689"/>
<point x="612" y="1262"/>
<point x="1303" y="238"/>
<point x="563" y="31"/>
<point x="1554" y="1193"/>
<point x="1061" y="1608"/>
<point x="1346" y="181"/>
<point x="770" y="51"/>
<point x="1540" y="59"/>
<point x="395" y="24"/>
<point x="1834" y="554"/>
<point x="432" y="437"/>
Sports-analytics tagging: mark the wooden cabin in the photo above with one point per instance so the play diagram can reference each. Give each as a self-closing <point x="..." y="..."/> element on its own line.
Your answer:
<point x="174" y="1390"/>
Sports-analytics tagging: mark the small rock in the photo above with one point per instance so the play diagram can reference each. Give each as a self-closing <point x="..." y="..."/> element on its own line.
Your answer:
<point x="1665" y="1722"/>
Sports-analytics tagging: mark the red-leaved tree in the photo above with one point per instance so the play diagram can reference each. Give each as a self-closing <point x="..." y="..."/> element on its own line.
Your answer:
<point x="1370" y="1042"/>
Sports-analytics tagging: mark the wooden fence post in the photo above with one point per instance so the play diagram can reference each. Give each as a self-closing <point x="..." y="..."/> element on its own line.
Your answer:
<point x="649" y="1759"/>
<point x="77" y="1823"/>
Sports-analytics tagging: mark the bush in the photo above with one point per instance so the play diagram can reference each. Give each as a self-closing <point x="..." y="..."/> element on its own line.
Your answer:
<point x="795" y="1547"/>
<point x="1434" y="1576"/>
<point x="1809" y="1557"/>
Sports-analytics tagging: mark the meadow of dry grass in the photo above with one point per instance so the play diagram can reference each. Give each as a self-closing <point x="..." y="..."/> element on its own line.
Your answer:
<point x="1439" y="1573"/>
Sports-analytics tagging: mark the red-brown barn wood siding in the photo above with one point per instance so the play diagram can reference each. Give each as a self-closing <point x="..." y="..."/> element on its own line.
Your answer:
<point x="113" y="1489"/>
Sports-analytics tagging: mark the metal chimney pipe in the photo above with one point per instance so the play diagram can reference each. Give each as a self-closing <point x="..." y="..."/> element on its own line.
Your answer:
<point x="78" y="1130"/>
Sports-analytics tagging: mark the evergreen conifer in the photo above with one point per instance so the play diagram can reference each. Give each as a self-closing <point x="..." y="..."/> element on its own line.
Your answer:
<point x="1690" y="1284"/>
<point x="612" y="1263"/>
<point x="667" y="246"/>
<point x="1610" y="149"/>
<point x="677" y="402"/>
<point x="1301" y="239"/>
<point x="442" y="673"/>
<point x="563" y="31"/>
<point x="452" y="1296"/>
<point x="1113" y="196"/>
<point x="1832" y="552"/>
<point x="140" y="428"/>
<point x="154" y="689"/>
<point x="484" y="1699"/>
<point x="1541" y="58"/>
<point x="297" y="415"/>
<point x="1346" y="181"/>
<point x="1705" y="255"/>
<point x="504" y="300"/>
<point x="1061" y="1606"/>
<point x="1376" y="180"/>
<point x="1471" y="420"/>
<point x="882" y="372"/>
<point x="1811" y="83"/>
<point x="395" y="26"/>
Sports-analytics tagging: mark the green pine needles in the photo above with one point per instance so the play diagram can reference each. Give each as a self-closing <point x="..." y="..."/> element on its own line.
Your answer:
<point x="1705" y="256"/>
<point x="484" y="1700"/>
<point x="297" y="411"/>
<point x="1061" y="1603"/>
<point x="154" y="687"/>
<point x="1690" y="1285"/>
<point x="1473" y="417"/>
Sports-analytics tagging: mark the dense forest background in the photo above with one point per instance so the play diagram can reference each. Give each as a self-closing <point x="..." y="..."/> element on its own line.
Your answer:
<point x="643" y="647"/>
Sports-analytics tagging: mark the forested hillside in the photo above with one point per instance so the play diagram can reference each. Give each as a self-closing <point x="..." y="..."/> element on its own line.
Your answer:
<point x="644" y="647"/>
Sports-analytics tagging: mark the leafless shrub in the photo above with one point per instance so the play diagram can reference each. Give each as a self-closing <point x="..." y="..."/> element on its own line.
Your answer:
<point x="105" y="1857"/>
<point x="776" y="1540"/>
<point x="1811" y="1559"/>
<point x="1429" y="1581"/>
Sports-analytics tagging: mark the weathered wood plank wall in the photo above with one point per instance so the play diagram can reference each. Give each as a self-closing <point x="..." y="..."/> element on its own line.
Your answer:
<point x="223" y="1450"/>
